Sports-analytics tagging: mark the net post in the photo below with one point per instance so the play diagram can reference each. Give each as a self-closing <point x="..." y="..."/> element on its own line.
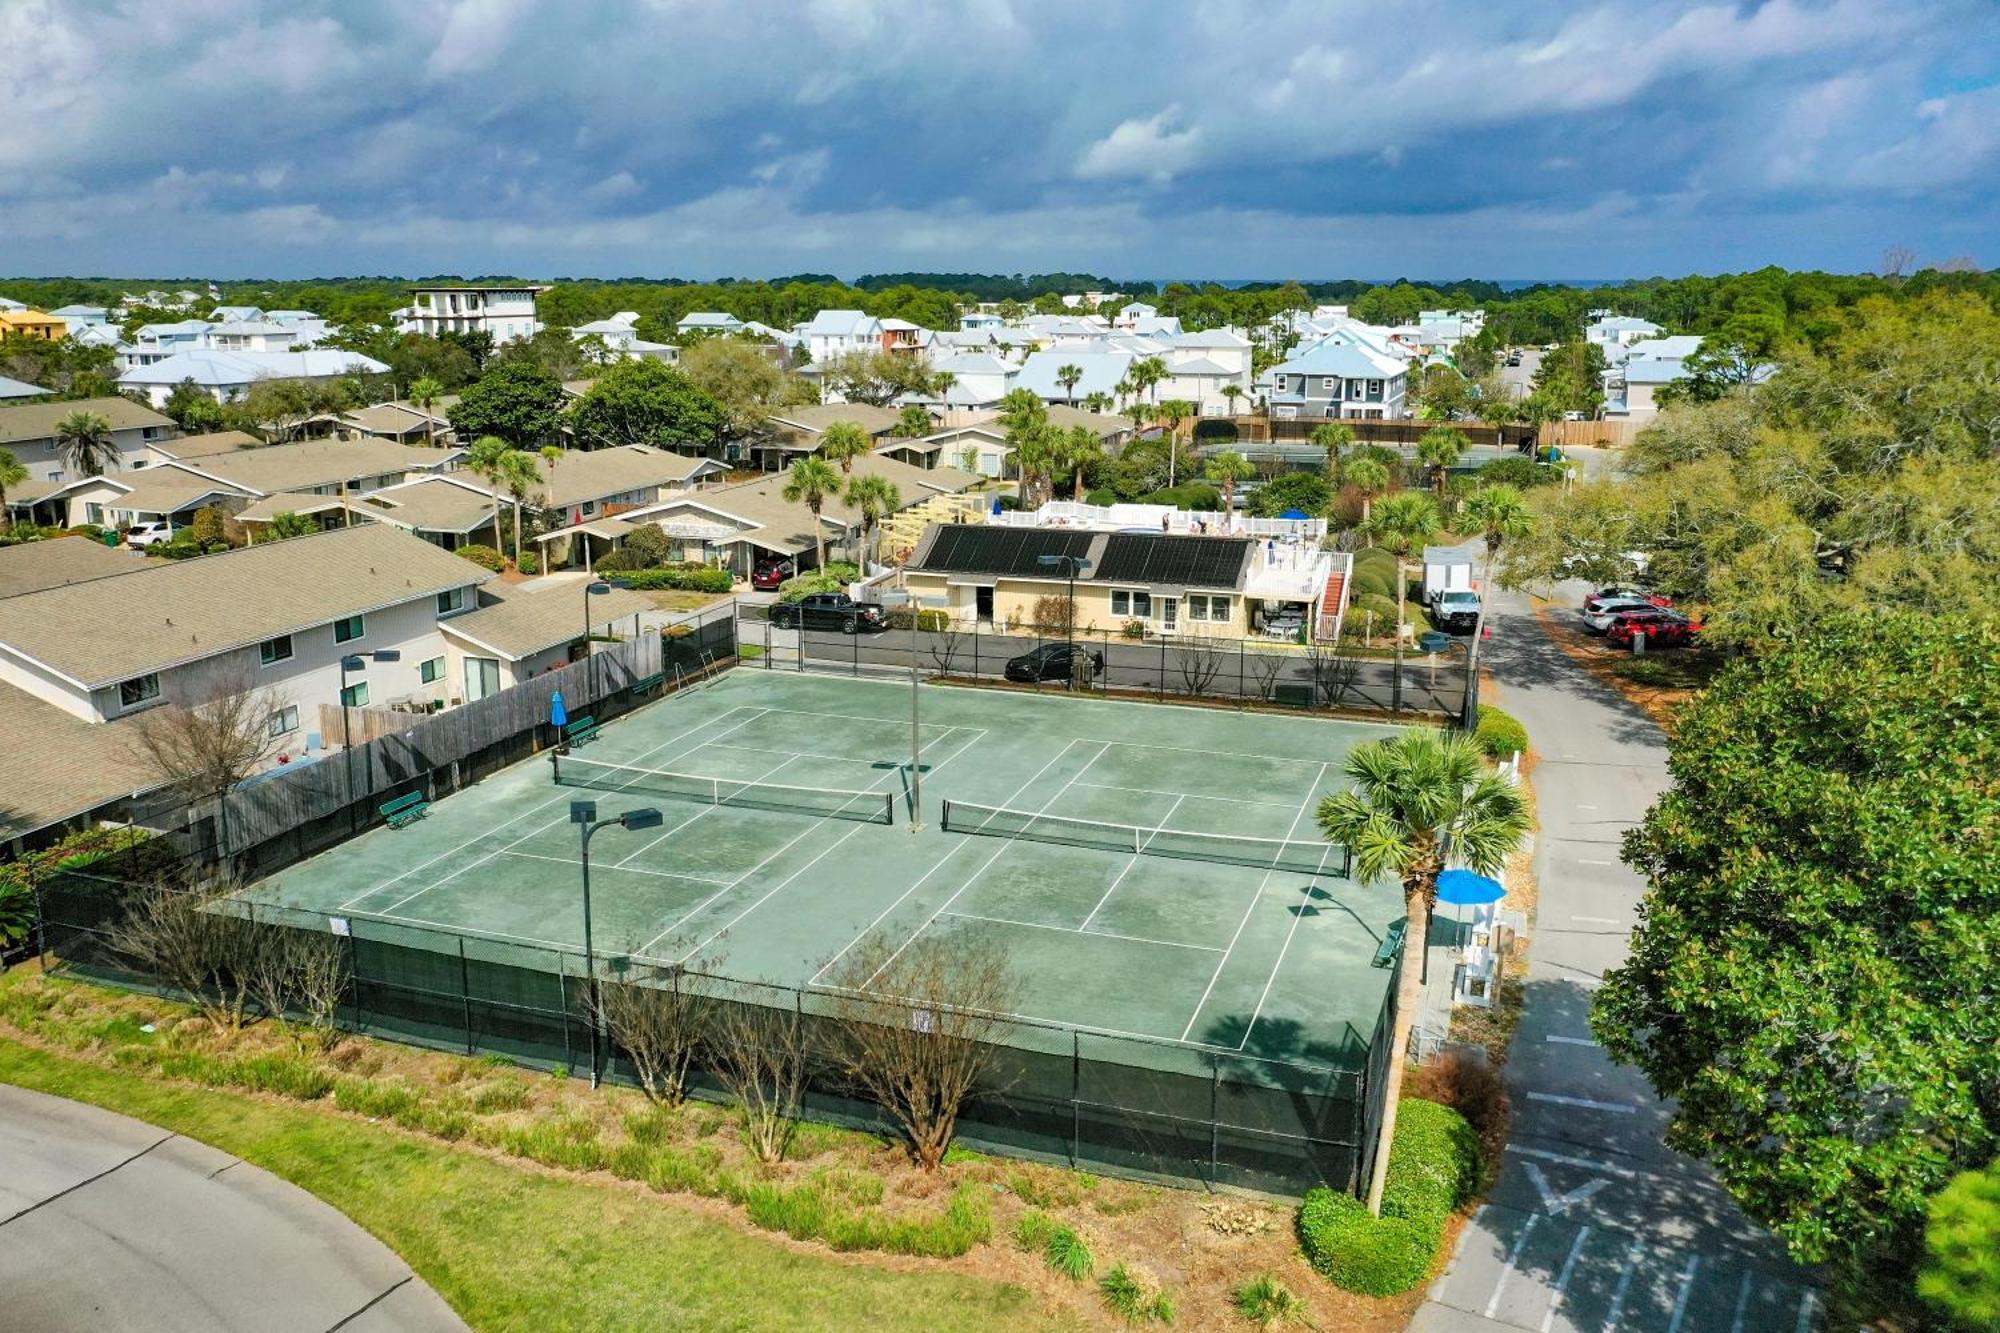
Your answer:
<point x="1214" y="1117"/>
<point x="1075" y="1096"/>
<point x="1160" y="689"/>
<point x="465" y="993"/>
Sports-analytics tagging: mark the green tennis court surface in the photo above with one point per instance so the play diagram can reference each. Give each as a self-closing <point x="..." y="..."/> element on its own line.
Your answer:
<point x="773" y="863"/>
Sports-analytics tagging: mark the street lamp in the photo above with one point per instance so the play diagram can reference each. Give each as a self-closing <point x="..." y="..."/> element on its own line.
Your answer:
<point x="356" y="662"/>
<point x="594" y="588"/>
<point x="584" y="815"/>
<point x="1072" y="565"/>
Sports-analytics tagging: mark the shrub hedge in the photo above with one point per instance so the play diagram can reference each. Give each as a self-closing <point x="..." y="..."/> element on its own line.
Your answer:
<point x="1434" y="1168"/>
<point x="901" y="616"/>
<point x="833" y="578"/>
<point x="484" y="556"/>
<point x="1375" y="572"/>
<point x="528" y="562"/>
<point x="1500" y="734"/>
<point x="684" y="578"/>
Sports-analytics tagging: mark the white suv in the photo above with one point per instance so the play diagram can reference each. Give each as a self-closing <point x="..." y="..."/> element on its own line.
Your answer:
<point x="148" y="534"/>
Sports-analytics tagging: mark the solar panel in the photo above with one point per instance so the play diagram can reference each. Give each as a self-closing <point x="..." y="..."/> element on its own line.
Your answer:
<point x="1201" y="562"/>
<point x="974" y="548"/>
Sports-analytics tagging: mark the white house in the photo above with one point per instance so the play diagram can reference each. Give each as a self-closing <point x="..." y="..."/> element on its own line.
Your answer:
<point x="83" y="316"/>
<point x="1337" y="378"/>
<point x="227" y="376"/>
<point x="507" y="313"/>
<point x="1611" y="332"/>
<point x="620" y="334"/>
<point x="833" y="333"/>
<point x="709" y="322"/>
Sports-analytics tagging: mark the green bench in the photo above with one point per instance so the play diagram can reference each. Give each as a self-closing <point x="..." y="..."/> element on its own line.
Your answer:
<point x="406" y="809"/>
<point x="580" y="732"/>
<point x="1293" y="696"/>
<point x="1392" y="944"/>
<point x="647" y="684"/>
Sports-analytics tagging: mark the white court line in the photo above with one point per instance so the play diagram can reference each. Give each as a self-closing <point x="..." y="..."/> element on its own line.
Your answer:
<point x="1562" y="1278"/>
<point x="1570" y="1041"/>
<point x="1681" y="1299"/>
<point x="1067" y="930"/>
<point x="432" y="924"/>
<point x="1131" y="861"/>
<point x="1152" y="791"/>
<point x="936" y="866"/>
<point x="1005" y="847"/>
<point x="1584" y="1103"/>
<point x="654" y="842"/>
<point x="1206" y="754"/>
<point x="1312" y="792"/>
<point x="1298" y="915"/>
<point x="730" y="924"/>
<point x="791" y="842"/>
<point x="542" y="806"/>
<point x="1617" y="1309"/>
<point x="1545" y="1155"/>
<point x="630" y="870"/>
<point x="1513" y="1257"/>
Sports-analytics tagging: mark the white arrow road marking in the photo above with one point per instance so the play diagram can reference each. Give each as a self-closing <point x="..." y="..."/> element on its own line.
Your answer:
<point x="1556" y="1204"/>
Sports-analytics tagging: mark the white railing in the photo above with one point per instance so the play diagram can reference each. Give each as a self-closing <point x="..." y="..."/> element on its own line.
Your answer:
<point x="1072" y="514"/>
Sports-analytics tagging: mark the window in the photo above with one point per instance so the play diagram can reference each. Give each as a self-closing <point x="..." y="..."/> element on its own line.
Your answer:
<point x="94" y="513"/>
<point x="1354" y="388"/>
<point x="451" y="601"/>
<point x="355" y="695"/>
<point x="588" y="507"/>
<point x="431" y="672"/>
<point x="1374" y="388"/>
<point x="285" y="720"/>
<point x="272" y="651"/>
<point x="1330" y="384"/>
<point x="1132" y="604"/>
<point x="348" y="630"/>
<point x="1210" y="608"/>
<point x="139" y="690"/>
<point x="482" y="677"/>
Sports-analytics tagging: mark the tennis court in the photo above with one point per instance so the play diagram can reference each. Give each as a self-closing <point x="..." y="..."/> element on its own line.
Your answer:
<point x="1150" y="871"/>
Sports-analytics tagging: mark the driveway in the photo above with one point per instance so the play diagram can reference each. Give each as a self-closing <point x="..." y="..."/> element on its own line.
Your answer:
<point x="107" y="1223"/>
<point x="1595" y="1224"/>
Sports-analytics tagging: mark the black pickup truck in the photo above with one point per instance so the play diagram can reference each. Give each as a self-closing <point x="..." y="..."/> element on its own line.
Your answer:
<point x="829" y="610"/>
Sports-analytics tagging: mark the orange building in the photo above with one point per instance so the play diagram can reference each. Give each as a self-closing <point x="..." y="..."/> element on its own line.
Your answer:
<point x="32" y="324"/>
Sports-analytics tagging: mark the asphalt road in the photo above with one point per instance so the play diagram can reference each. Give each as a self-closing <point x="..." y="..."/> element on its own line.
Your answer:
<point x="1595" y="1224"/>
<point x="109" y="1224"/>
<point x="1519" y="378"/>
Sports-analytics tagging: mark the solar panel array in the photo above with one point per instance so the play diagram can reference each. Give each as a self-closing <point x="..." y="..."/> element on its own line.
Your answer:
<point x="974" y="548"/>
<point x="1199" y="562"/>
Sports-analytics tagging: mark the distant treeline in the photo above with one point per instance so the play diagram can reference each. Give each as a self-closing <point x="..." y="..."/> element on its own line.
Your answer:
<point x="1757" y="310"/>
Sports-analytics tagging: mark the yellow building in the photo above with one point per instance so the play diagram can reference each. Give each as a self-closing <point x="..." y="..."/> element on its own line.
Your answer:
<point x="32" y="324"/>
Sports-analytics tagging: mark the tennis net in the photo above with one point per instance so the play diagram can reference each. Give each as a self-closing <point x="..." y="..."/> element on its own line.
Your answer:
<point x="873" y="807"/>
<point x="1308" y="858"/>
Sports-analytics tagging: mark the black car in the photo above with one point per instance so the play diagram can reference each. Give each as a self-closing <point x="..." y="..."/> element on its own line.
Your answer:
<point x="1052" y="661"/>
<point x="829" y="610"/>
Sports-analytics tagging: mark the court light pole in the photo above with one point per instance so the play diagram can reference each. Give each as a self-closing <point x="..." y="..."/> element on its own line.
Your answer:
<point x="584" y="815"/>
<point x="594" y="588"/>
<point x="356" y="662"/>
<point x="1072" y="565"/>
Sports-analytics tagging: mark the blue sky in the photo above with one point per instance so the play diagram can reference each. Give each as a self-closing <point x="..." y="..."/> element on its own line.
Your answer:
<point x="1136" y="138"/>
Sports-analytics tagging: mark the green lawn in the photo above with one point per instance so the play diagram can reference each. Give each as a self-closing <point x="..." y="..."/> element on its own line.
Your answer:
<point x="514" y="1248"/>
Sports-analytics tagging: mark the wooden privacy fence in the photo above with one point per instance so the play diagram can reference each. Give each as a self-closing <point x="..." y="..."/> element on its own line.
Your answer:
<point x="1612" y="434"/>
<point x="365" y="724"/>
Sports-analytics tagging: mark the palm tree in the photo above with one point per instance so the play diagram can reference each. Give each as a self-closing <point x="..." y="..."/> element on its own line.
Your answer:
<point x="1082" y="446"/>
<point x="1225" y="470"/>
<point x="1370" y="476"/>
<point x="1419" y="799"/>
<point x="520" y="472"/>
<point x="875" y="497"/>
<point x="1232" y="392"/>
<point x="13" y="472"/>
<point x="425" y="392"/>
<point x="811" y="481"/>
<point x="1333" y="436"/>
<point x="84" y="439"/>
<point x="289" y="524"/>
<point x="913" y="422"/>
<point x="1147" y="373"/>
<point x="941" y="383"/>
<point x="1403" y="522"/>
<point x="842" y="443"/>
<point x="1501" y="512"/>
<point x="1039" y="450"/>
<point x="1172" y="413"/>
<point x="1097" y="402"/>
<point x="1068" y="376"/>
<point x="1439" y="450"/>
<point x="485" y="461"/>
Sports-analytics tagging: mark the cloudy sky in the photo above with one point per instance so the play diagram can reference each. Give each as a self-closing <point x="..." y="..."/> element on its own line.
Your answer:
<point x="1137" y="138"/>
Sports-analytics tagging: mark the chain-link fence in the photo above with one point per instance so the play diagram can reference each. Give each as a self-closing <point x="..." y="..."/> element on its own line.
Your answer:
<point x="1322" y="676"/>
<point x="1180" y="1112"/>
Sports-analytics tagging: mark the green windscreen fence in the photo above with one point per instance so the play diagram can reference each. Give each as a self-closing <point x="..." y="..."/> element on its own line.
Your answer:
<point x="1176" y="1112"/>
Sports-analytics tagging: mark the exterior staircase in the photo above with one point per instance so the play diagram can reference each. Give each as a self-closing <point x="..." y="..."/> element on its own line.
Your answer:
<point x="1333" y="604"/>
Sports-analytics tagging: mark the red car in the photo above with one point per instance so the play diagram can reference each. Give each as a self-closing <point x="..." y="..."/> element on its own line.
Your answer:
<point x="1622" y="590"/>
<point x="1662" y="628"/>
<point x="770" y="573"/>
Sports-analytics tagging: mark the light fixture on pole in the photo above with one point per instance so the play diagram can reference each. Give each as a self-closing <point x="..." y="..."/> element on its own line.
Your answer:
<point x="356" y="662"/>
<point x="594" y="588"/>
<point x="1071" y="565"/>
<point x="584" y="815"/>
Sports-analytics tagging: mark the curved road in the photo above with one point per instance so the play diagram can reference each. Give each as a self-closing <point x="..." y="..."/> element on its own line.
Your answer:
<point x="107" y="1223"/>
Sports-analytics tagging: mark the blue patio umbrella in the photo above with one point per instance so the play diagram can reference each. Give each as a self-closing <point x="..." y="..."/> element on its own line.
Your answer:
<point x="558" y="710"/>
<point x="996" y="502"/>
<point x="1462" y="888"/>
<point x="1295" y="513"/>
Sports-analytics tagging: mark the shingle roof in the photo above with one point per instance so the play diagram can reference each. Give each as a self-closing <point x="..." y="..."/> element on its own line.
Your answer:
<point x="166" y="490"/>
<point x="63" y="766"/>
<point x="815" y="418"/>
<point x="208" y="445"/>
<point x="37" y="421"/>
<point x="521" y="622"/>
<point x="114" y="628"/>
<point x="312" y="463"/>
<point x="784" y="525"/>
<point x="32" y="566"/>
<point x="592" y="474"/>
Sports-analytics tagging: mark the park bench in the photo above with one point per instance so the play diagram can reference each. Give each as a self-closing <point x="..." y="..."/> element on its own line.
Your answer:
<point x="580" y="732"/>
<point x="1392" y="943"/>
<point x="647" y="684"/>
<point x="406" y="809"/>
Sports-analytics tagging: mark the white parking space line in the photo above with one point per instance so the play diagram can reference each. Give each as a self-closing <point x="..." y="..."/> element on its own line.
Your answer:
<point x="1618" y="1293"/>
<point x="1569" y="1041"/>
<point x="1545" y="1155"/>
<point x="1681" y="1298"/>
<point x="1742" y="1303"/>
<point x="1597" y="863"/>
<point x="1562" y="1278"/>
<point x="1808" y="1307"/>
<point x="1583" y="1103"/>
<point x="1513" y="1257"/>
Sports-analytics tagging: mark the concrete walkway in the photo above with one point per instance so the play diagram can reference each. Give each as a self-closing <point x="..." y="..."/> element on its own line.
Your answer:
<point x="1595" y="1223"/>
<point x="108" y="1224"/>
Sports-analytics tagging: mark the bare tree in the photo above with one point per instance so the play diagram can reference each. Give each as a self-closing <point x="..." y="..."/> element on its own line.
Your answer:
<point x="185" y="937"/>
<point x="1333" y="672"/>
<point x="921" y="1030"/>
<point x="760" y="1057"/>
<point x="662" y="1026"/>
<point x="1053" y="613"/>
<point x="946" y="646"/>
<point x="1960" y="264"/>
<point x="1897" y="261"/>
<point x="289" y="970"/>
<point x="212" y="737"/>
<point x="1264" y="670"/>
<point x="1199" y="659"/>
